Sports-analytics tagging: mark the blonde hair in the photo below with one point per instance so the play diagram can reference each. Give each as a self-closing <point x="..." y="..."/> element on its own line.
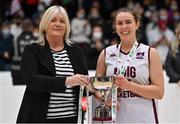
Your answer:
<point x="176" y="44"/>
<point x="45" y="20"/>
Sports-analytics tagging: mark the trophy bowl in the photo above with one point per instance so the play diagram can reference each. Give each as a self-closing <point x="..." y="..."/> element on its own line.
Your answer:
<point x="104" y="84"/>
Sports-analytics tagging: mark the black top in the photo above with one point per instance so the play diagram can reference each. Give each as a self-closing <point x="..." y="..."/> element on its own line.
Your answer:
<point x="172" y="66"/>
<point x="62" y="105"/>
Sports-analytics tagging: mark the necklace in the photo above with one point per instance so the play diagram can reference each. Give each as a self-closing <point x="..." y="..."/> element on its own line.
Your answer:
<point x="122" y="65"/>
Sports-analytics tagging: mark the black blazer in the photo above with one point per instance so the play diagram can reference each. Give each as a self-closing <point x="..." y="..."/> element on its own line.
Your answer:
<point x="38" y="72"/>
<point x="172" y="66"/>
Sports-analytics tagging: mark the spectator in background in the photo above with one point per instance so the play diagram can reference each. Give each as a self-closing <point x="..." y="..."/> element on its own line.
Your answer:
<point x="95" y="17"/>
<point x="95" y="47"/>
<point x="141" y="34"/>
<point x="111" y="27"/>
<point x="16" y="26"/>
<point x="173" y="6"/>
<point x="41" y="6"/>
<point x="176" y="19"/>
<point x="29" y="7"/>
<point x="152" y="24"/>
<point x="25" y="38"/>
<point x="161" y="37"/>
<point x="172" y="64"/>
<point x="4" y="5"/>
<point x="81" y="29"/>
<point x="16" y="9"/>
<point x="6" y="41"/>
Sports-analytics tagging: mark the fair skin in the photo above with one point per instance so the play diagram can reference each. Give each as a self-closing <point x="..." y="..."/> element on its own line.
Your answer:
<point x="55" y="36"/>
<point x="126" y="27"/>
<point x="55" y="32"/>
<point x="179" y="83"/>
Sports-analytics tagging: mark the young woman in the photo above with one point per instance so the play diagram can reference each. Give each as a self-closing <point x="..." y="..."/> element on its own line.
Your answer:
<point x="53" y="71"/>
<point x="138" y="72"/>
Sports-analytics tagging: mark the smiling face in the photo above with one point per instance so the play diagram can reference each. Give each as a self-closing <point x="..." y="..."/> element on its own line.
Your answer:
<point x="57" y="26"/>
<point x="126" y="26"/>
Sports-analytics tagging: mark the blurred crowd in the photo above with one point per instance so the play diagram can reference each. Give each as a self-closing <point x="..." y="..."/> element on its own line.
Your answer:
<point x="91" y="26"/>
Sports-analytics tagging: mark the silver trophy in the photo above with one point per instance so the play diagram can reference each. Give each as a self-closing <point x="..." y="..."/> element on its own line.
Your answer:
<point x="104" y="85"/>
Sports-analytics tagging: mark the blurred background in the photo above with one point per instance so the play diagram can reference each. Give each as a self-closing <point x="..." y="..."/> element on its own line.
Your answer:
<point x="91" y="25"/>
<point x="93" y="30"/>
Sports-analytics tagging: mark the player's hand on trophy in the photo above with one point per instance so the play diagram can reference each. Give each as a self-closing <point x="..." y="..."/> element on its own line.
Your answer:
<point x="76" y="80"/>
<point x="122" y="82"/>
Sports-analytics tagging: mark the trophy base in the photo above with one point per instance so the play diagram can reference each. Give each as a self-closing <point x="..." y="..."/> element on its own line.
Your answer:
<point x="102" y="119"/>
<point x="102" y="113"/>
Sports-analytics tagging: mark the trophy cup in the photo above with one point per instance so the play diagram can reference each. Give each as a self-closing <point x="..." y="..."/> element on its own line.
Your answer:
<point x="104" y="85"/>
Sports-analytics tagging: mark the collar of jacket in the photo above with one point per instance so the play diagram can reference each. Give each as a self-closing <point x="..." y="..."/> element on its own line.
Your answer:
<point x="46" y="57"/>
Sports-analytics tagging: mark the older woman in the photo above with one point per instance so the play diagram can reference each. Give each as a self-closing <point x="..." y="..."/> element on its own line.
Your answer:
<point x="53" y="71"/>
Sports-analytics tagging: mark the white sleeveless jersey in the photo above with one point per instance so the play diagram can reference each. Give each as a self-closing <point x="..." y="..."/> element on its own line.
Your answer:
<point x="133" y="108"/>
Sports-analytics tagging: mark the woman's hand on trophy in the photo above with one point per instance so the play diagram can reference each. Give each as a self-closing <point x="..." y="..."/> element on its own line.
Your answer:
<point x="77" y="79"/>
<point x="88" y="85"/>
<point x="90" y="89"/>
<point x="122" y="82"/>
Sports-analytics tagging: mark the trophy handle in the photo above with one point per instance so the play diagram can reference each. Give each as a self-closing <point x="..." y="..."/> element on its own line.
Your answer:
<point x="90" y="89"/>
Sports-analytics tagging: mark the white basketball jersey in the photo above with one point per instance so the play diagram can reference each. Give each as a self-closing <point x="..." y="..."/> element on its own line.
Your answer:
<point x="133" y="108"/>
